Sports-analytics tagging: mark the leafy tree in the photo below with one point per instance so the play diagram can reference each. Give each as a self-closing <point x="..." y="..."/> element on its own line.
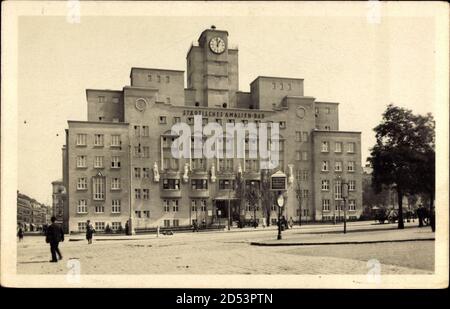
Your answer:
<point x="403" y="145"/>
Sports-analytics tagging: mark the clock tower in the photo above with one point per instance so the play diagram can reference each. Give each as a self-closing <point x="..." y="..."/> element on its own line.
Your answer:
<point x="212" y="70"/>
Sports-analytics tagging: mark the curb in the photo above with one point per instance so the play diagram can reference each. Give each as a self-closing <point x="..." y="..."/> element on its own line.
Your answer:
<point x="265" y="244"/>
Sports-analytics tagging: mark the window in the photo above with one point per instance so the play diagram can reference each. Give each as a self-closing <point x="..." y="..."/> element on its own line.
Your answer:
<point x="81" y="226"/>
<point x="145" y="194"/>
<point x="174" y="205"/>
<point x="298" y="136"/>
<point x="176" y="222"/>
<point x="98" y="188"/>
<point x="137" y="213"/>
<point x="281" y="86"/>
<point x="327" y="128"/>
<point x="137" y="151"/>
<point x="81" y="161"/>
<point x="115" y="141"/>
<point x="137" y="131"/>
<point x="305" y="175"/>
<point x="351" y="148"/>
<point x="166" y="205"/>
<point x="137" y="172"/>
<point x="115" y="206"/>
<point x="289" y="86"/>
<point x="171" y="184"/>
<point x="325" y="185"/>
<point x="82" y="183"/>
<point x="116" y="226"/>
<point x="324" y="146"/>
<point x="351" y="166"/>
<point x="226" y="184"/>
<point x="193" y="205"/>
<point x="167" y="79"/>
<point x="338" y="166"/>
<point x="198" y="164"/>
<point x="81" y="139"/>
<point x="337" y="190"/>
<point x="115" y="100"/>
<point x="176" y="119"/>
<point x="327" y="110"/>
<point x="338" y="147"/>
<point x="98" y="162"/>
<point x="305" y="193"/>
<point x="99" y="209"/>
<point x="351" y="205"/>
<point x="146" y="172"/>
<point x="166" y="223"/>
<point x="324" y="166"/>
<point x="115" y="184"/>
<point x="149" y="77"/>
<point x="199" y="184"/>
<point x="101" y="99"/>
<point x="158" y="78"/>
<point x="146" y="213"/>
<point x="145" y="131"/>
<point x="351" y="185"/>
<point x="203" y="205"/>
<point x="282" y="124"/>
<point x="305" y="156"/>
<point x="146" y="152"/>
<point x="298" y="155"/>
<point x="325" y="205"/>
<point x="162" y="119"/>
<point x="137" y="194"/>
<point x="115" y="162"/>
<point x="305" y="136"/>
<point x="98" y="140"/>
<point x="100" y="226"/>
<point x="82" y="207"/>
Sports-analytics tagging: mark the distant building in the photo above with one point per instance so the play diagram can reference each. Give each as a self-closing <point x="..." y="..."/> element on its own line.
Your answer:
<point x="24" y="211"/>
<point x="31" y="214"/>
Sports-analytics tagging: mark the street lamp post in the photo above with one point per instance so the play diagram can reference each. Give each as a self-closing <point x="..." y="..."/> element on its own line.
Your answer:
<point x="280" y="202"/>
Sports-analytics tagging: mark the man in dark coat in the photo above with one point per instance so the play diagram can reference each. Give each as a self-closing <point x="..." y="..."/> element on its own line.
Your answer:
<point x="53" y="236"/>
<point x="89" y="231"/>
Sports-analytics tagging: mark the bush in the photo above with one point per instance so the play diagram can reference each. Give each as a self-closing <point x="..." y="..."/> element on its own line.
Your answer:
<point x="108" y="229"/>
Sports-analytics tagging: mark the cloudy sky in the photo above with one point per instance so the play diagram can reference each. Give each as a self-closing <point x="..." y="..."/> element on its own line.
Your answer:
<point x="343" y="57"/>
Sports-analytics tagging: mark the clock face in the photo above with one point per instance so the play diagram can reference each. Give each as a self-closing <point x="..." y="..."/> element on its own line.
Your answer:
<point x="217" y="45"/>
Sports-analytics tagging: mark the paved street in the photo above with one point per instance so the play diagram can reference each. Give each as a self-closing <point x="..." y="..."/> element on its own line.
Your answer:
<point x="230" y="252"/>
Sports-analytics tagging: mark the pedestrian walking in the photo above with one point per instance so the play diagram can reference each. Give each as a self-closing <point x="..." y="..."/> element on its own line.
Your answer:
<point x="20" y="233"/>
<point x="53" y="237"/>
<point x="291" y="222"/>
<point x="89" y="231"/>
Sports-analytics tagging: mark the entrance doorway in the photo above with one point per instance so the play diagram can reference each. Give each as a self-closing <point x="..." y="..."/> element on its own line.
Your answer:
<point x="222" y="211"/>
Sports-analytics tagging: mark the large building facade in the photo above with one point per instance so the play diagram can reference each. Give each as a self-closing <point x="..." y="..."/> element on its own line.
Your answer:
<point x="118" y="166"/>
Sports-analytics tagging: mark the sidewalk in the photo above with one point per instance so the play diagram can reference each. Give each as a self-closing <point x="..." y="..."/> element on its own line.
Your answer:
<point x="297" y="238"/>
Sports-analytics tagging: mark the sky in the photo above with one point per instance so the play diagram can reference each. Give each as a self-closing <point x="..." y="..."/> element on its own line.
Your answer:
<point x="364" y="66"/>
